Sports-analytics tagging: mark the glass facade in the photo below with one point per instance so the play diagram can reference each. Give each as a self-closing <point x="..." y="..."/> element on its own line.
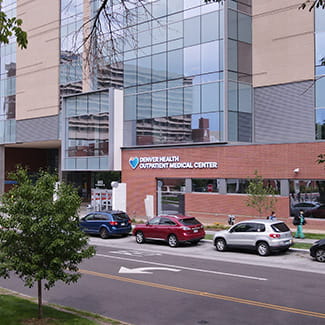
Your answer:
<point x="175" y="78"/>
<point x="86" y="145"/>
<point x="71" y="69"/>
<point x="185" y="68"/>
<point x="320" y="73"/>
<point x="8" y="69"/>
<point x="8" y="81"/>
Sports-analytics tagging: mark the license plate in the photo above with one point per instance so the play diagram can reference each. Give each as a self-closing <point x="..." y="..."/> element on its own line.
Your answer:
<point x="122" y="224"/>
<point x="195" y="230"/>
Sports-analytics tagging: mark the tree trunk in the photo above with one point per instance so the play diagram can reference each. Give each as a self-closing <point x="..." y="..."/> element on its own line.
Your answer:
<point x="40" y="309"/>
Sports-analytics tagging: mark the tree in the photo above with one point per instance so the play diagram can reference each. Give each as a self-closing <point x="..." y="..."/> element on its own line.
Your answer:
<point x="321" y="158"/>
<point x="40" y="238"/>
<point x="313" y="4"/>
<point x="10" y="26"/>
<point x="103" y="34"/>
<point x="260" y="197"/>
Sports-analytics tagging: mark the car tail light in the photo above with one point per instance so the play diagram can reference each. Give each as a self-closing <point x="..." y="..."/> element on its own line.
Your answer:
<point x="274" y="235"/>
<point x="129" y="221"/>
<point x="186" y="228"/>
<point x="113" y="223"/>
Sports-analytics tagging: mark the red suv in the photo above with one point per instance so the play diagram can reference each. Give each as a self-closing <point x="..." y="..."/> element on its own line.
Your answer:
<point x="173" y="229"/>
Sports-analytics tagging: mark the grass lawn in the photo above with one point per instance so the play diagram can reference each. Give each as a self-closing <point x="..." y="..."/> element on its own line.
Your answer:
<point x="17" y="310"/>
<point x="311" y="236"/>
<point x="301" y="245"/>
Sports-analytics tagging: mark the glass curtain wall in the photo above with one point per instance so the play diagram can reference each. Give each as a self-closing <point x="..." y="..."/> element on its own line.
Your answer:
<point x="169" y="58"/>
<point x="71" y="69"/>
<point x="173" y="74"/>
<point x="320" y="73"/>
<point x="8" y="69"/>
<point x="86" y="145"/>
<point x="8" y="81"/>
<point x="239" y="71"/>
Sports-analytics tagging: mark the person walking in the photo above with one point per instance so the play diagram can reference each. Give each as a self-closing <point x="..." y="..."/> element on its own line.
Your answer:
<point x="300" y="221"/>
<point x="272" y="216"/>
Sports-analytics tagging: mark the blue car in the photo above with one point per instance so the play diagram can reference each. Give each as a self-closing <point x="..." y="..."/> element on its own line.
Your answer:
<point x="106" y="224"/>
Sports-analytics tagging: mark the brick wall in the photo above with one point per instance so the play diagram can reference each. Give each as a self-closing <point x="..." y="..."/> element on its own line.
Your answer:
<point x="275" y="161"/>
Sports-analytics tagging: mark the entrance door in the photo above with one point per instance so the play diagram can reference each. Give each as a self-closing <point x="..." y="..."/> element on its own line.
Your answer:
<point x="170" y="198"/>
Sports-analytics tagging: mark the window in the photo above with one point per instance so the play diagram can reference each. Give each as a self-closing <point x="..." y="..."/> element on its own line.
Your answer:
<point x="243" y="227"/>
<point x="191" y="31"/>
<point x="204" y="185"/>
<point x="173" y="185"/>
<point x="251" y="227"/>
<point x="89" y="217"/>
<point x="260" y="227"/>
<point x="100" y="217"/>
<point x="237" y="185"/>
<point x="167" y="222"/>
<point x="120" y="216"/>
<point x="154" y="221"/>
<point x="306" y="190"/>
<point x="189" y="222"/>
<point x="280" y="227"/>
<point x="240" y="185"/>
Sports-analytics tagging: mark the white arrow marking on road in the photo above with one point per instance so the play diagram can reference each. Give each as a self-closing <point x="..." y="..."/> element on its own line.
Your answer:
<point x="145" y="270"/>
<point x="184" y="267"/>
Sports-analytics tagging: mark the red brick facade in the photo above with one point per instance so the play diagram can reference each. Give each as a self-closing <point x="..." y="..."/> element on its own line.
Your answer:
<point x="273" y="161"/>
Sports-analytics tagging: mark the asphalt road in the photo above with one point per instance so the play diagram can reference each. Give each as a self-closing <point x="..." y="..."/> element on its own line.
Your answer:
<point x="153" y="284"/>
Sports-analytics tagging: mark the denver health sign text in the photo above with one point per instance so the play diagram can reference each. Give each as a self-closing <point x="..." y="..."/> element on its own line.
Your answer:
<point x="168" y="162"/>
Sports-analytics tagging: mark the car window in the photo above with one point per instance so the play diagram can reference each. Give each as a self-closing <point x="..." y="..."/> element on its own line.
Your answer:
<point x="189" y="221"/>
<point x="280" y="227"/>
<point x="154" y="221"/>
<point x="166" y="221"/>
<point x="100" y="217"/>
<point x="260" y="227"/>
<point x="120" y="216"/>
<point x="251" y="227"/>
<point x="240" y="228"/>
<point x="89" y="217"/>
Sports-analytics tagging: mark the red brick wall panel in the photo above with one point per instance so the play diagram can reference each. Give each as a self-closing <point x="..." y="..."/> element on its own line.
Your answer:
<point x="274" y="161"/>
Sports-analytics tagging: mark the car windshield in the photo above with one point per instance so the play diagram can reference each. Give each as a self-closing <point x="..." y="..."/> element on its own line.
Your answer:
<point x="120" y="216"/>
<point x="189" y="221"/>
<point x="280" y="227"/>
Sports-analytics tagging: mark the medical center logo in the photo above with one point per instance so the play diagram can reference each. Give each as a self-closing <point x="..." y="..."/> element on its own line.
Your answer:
<point x="134" y="162"/>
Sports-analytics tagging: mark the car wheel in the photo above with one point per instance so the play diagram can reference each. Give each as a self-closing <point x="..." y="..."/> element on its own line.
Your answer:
<point x="172" y="241"/>
<point x="104" y="233"/>
<point x="320" y="255"/>
<point x="220" y="244"/>
<point x="263" y="248"/>
<point x="139" y="237"/>
<point x="195" y="242"/>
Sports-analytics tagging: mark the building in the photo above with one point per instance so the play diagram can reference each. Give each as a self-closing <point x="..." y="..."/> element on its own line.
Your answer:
<point x="197" y="99"/>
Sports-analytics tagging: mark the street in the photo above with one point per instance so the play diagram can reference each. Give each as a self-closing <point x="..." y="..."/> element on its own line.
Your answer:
<point x="153" y="284"/>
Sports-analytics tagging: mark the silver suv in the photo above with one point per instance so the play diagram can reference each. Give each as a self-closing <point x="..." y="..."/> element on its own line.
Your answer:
<point x="262" y="235"/>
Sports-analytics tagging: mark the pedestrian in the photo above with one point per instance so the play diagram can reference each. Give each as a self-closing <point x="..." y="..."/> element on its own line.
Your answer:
<point x="299" y="221"/>
<point x="272" y="216"/>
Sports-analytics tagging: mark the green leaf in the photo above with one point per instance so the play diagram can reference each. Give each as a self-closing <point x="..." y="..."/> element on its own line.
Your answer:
<point x="40" y="239"/>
